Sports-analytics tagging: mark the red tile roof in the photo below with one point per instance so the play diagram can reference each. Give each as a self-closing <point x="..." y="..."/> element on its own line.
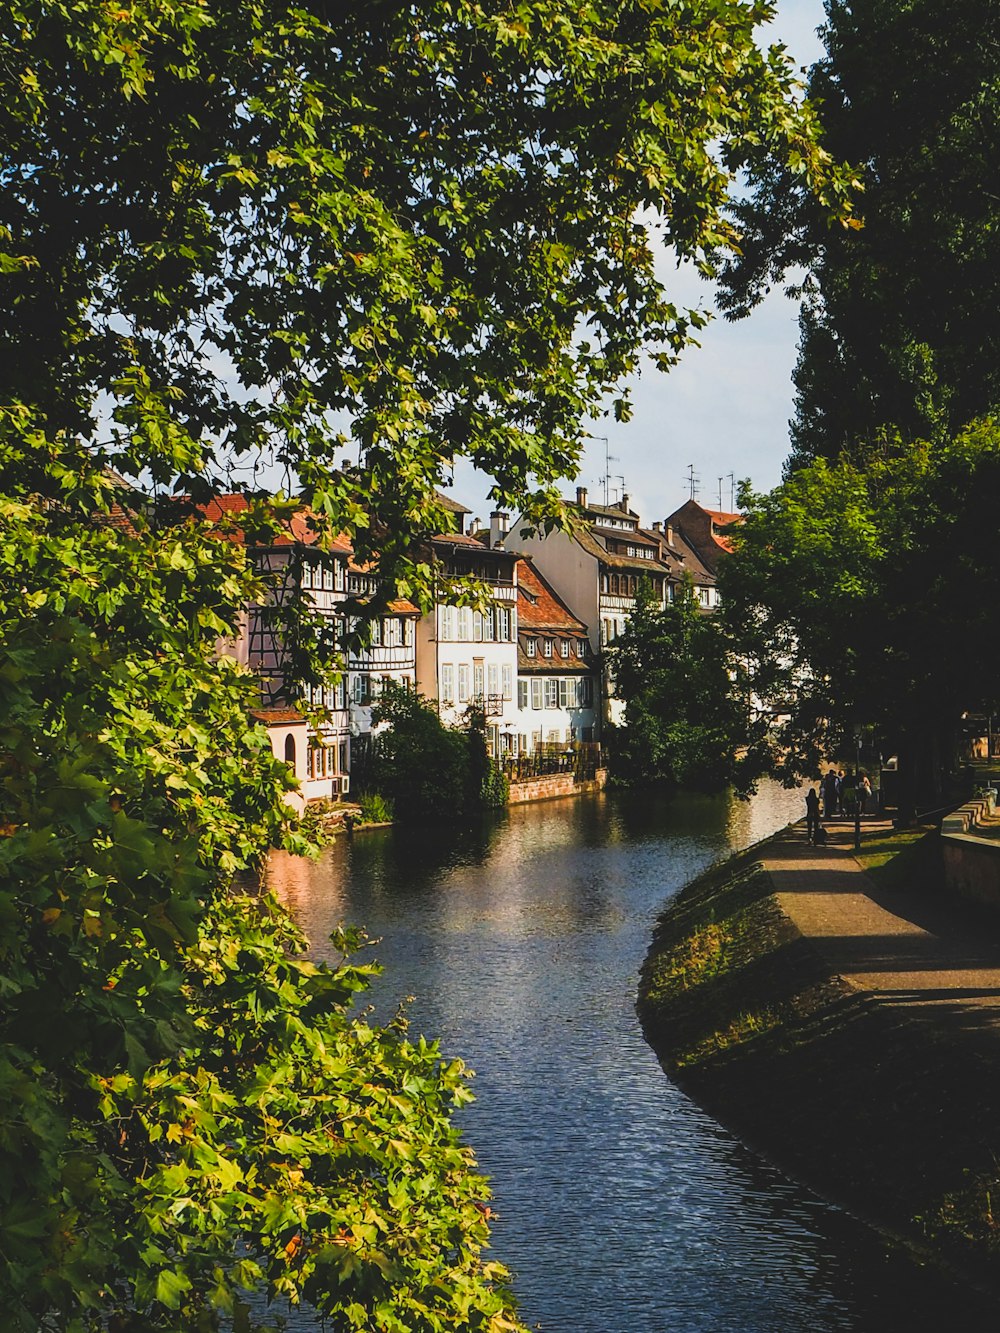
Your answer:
<point x="277" y="716"/>
<point x="540" y="606"/>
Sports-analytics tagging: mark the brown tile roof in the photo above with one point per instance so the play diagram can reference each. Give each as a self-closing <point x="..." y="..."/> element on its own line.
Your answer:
<point x="593" y="546"/>
<point x="553" y="666"/>
<point x="540" y="606"/>
<point x="446" y="502"/>
<point x="276" y="716"/>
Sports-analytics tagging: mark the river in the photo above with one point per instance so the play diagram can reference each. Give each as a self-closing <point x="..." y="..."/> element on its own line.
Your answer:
<point x="621" y="1206"/>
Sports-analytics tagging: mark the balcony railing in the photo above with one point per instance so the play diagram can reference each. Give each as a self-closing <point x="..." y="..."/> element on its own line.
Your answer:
<point x="582" y="759"/>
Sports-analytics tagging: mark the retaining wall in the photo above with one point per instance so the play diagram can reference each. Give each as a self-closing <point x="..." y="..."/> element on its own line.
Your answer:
<point x="555" y="784"/>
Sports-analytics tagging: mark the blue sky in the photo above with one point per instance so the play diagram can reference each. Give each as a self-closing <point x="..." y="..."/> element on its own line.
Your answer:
<point x="725" y="408"/>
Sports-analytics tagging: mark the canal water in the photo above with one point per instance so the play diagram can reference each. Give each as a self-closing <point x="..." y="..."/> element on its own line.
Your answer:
<point x="621" y="1206"/>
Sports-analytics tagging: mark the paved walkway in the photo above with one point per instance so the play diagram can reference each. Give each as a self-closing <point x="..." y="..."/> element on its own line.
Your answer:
<point x="933" y="955"/>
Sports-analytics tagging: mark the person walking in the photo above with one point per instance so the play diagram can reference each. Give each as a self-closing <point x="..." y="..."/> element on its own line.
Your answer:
<point x="812" y="815"/>
<point x="830" y="790"/>
<point x="865" y="793"/>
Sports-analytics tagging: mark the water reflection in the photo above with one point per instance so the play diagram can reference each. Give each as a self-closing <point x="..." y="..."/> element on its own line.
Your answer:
<point x="623" y="1208"/>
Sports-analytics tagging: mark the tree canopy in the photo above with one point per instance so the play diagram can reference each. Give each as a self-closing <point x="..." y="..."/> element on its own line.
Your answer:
<point x="227" y="229"/>
<point x="865" y="594"/>
<point x="683" y="719"/>
<point x="900" y="326"/>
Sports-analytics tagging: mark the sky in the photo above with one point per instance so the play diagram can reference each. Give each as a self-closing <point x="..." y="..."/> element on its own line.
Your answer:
<point x="725" y="408"/>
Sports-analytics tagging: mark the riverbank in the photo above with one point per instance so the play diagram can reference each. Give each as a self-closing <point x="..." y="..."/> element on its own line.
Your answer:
<point x="846" y="1024"/>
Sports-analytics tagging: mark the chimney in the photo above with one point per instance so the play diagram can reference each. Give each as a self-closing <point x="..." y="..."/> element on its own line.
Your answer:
<point x="623" y="502"/>
<point x="499" y="524"/>
<point x="581" y="496"/>
<point x="670" y="534"/>
<point x="656" y="525"/>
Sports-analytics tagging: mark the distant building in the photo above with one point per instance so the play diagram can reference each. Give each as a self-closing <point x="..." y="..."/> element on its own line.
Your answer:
<point x="705" y="531"/>
<point x="597" y="569"/>
<point x="467" y="658"/>
<point x="557" y="674"/>
<point x="684" y="563"/>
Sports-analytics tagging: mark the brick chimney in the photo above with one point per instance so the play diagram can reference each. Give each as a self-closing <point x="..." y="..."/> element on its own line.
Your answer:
<point x="581" y="496"/>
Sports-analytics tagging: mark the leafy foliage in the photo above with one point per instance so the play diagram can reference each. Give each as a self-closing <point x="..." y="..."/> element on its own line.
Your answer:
<point x="900" y="326"/>
<point x="683" y="722"/>
<point x="866" y="594"/>
<point x="429" y="770"/>
<point x="224" y="229"/>
<point x="174" y="1077"/>
<point x="262" y="221"/>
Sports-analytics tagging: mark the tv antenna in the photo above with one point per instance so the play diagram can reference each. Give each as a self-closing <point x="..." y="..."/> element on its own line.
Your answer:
<point x="732" y="494"/>
<point x="609" y="458"/>
<point x="693" y="482"/>
<point x="720" y="492"/>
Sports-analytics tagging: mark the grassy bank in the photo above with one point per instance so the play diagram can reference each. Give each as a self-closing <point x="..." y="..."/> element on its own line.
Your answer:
<point x="867" y="1102"/>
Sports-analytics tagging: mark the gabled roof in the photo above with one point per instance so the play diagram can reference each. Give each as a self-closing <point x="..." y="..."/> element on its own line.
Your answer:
<point x="539" y="606"/>
<point x="446" y="502"/>
<point x="298" y="528"/>
<point x="590" y="540"/>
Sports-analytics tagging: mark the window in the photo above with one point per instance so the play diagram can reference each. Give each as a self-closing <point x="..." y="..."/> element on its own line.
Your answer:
<point x="581" y="647"/>
<point x="360" y="690"/>
<point x="328" y="579"/>
<point x="477" y="681"/>
<point x="536" y="694"/>
<point x="376" y="634"/>
<point x="447" y="630"/>
<point x="615" y="583"/>
<point x="504" y="624"/>
<point x="478" y="626"/>
<point x="551" y="694"/>
<point x="493" y="678"/>
<point x="465" y="624"/>
<point x="463" y="682"/>
<point x="564" y="692"/>
<point x="546" y="647"/>
<point x="604" y="583"/>
<point x="529" y="647"/>
<point x="290" y="750"/>
<point x="704" y="596"/>
<point x="522" y="694"/>
<point x="507" y="675"/>
<point x="447" y="683"/>
<point x="408" y="633"/>
<point x="564" y="647"/>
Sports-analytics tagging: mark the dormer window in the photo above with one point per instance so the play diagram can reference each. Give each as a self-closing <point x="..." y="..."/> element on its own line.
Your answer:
<point x="564" y="647"/>
<point x="547" y="647"/>
<point x="529" y="647"/>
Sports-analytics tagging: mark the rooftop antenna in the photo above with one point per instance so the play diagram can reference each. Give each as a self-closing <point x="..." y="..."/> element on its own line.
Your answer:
<point x="720" y="492"/>
<point x="732" y="494"/>
<point x="609" y="458"/>
<point x="620" y="489"/>
<point x="693" y="482"/>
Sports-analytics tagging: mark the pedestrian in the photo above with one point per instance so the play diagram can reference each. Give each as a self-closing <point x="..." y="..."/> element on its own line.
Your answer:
<point x="812" y="815"/>
<point x="829" y="787"/>
<point x="841" y="783"/>
<point x="865" y="793"/>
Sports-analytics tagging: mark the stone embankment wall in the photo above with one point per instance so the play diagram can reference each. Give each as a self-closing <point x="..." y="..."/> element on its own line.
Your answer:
<point x="555" y="784"/>
<point x="972" y="862"/>
<point x="847" y="1094"/>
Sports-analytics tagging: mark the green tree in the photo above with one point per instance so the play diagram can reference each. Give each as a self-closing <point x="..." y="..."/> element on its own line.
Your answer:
<point x="428" y="770"/>
<point x="683" y="720"/>
<point x="900" y="326"/>
<point x="866" y="595"/>
<point x="224" y="229"/>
